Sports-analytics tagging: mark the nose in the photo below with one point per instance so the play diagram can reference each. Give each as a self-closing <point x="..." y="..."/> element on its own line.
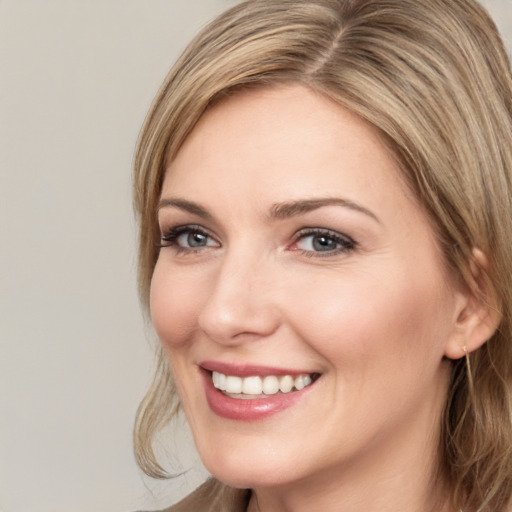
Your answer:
<point x="241" y="302"/>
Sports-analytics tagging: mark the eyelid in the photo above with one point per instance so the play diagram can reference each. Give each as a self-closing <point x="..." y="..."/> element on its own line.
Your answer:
<point x="347" y="243"/>
<point x="170" y="235"/>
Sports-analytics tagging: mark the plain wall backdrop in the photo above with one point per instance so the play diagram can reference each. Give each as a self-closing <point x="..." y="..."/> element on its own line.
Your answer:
<point x="76" y="80"/>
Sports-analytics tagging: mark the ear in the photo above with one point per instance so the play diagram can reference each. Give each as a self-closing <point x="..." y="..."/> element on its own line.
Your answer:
<point x="477" y="311"/>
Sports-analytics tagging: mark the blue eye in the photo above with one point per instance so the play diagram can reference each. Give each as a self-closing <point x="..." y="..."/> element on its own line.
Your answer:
<point x="192" y="239"/>
<point x="188" y="238"/>
<point x="323" y="241"/>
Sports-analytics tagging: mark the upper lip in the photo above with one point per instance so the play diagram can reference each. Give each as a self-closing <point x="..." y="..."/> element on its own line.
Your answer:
<point x="249" y="370"/>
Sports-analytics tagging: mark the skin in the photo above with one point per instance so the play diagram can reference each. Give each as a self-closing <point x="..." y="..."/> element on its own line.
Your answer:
<point x="376" y="319"/>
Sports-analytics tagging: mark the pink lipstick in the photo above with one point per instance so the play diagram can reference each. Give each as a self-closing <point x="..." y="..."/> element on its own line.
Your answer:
<point x="250" y="393"/>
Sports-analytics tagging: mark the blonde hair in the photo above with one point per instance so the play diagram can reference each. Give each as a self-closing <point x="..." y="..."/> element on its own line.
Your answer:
<point x="434" y="78"/>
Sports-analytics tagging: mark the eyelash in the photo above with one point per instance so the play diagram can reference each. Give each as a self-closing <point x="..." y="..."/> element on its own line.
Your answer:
<point x="170" y="238"/>
<point x="345" y="243"/>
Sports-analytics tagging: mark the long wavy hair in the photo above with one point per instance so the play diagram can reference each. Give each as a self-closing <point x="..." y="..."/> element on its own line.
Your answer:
<point x="434" y="78"/>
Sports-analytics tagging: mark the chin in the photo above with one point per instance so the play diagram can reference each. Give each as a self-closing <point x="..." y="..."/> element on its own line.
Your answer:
<point x="249" y="469"/>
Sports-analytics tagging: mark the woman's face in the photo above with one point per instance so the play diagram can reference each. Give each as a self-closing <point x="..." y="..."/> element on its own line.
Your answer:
<point x="294" y="255"/>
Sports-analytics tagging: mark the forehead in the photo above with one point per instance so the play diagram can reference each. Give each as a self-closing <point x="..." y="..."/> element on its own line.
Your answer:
<point x="280" y="143"/>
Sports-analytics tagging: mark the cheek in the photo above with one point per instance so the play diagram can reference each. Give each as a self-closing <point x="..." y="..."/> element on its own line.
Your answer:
<point x="174" y="305"/>
<point x="391" y="318"/>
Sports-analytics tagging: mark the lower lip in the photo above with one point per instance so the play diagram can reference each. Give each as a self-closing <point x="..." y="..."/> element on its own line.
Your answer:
<point x="248" y="409"/>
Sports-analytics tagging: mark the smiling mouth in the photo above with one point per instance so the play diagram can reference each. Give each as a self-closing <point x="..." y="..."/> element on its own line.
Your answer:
<point x="259" y="387"/>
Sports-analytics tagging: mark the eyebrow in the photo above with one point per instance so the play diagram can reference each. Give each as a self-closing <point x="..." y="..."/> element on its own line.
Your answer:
<point x="278" y="211"/>
<point x="292" y="208"/>
<point x="183" y="204"/>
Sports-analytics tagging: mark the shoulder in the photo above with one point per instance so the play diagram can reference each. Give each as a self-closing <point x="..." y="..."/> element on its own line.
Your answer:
<point x="213" y="496"/>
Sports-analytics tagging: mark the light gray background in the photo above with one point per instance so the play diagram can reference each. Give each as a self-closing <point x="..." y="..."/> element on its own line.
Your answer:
<point x="76" y="79"/>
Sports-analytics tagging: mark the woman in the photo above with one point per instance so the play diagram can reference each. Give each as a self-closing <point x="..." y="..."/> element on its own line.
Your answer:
<point x="323" y="190"/>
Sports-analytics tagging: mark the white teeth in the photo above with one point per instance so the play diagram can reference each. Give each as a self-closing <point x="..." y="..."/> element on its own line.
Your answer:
<point x="233" y="384"/>
<point x="302" y="381"/>
<point x="286" y="383"/>
<point x="219" y="380"/>
<point x="270" y="385"/>
<point x="252" y="386"/>
<point x="255" y="385"/>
